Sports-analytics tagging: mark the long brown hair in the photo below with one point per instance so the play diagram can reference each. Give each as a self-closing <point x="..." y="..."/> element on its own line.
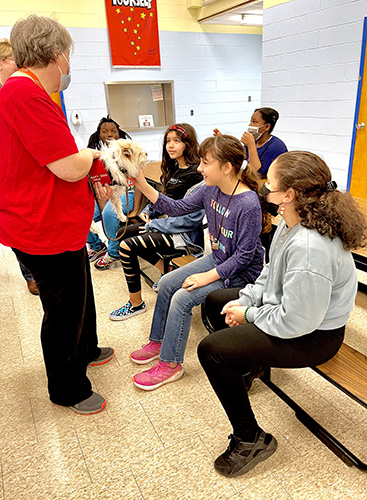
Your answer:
<point x="330" y="212"/>
<point x="226" y="148"/>
<point x="188" y="136"/>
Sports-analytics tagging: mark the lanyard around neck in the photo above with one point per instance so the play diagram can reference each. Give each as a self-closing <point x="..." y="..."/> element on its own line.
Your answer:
<point x="35" y="78"/>
<point x="215" y="244"/>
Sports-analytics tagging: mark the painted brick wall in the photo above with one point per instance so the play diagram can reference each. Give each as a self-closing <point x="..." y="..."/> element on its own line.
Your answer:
<point x="311" y="54"/>
<point x="213" y="73"/>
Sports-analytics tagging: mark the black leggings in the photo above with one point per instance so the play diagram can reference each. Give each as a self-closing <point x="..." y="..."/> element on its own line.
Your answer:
<point x="144" y="245"/>
<point x="229" y="353"/>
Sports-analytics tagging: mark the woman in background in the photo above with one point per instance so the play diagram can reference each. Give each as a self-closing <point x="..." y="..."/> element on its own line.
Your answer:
<point x="7" y="62"/>
<point x="7" y="68"/>
<point x="262" y="147"/>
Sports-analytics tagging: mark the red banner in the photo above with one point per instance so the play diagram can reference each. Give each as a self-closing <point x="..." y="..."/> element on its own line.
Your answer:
<point x="133" y="32"/>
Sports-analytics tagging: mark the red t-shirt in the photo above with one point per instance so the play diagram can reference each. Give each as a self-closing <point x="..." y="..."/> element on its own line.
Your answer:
<point x="40" y="213"/>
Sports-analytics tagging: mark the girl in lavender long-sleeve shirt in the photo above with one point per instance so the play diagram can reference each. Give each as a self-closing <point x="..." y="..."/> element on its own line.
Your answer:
<point x="234" y="220"/>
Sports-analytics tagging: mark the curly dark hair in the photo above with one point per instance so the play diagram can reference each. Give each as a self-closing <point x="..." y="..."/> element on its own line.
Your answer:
<point x="331" y="212"/>
<point x="95" y="140"/>
<point x="188" y="136"/>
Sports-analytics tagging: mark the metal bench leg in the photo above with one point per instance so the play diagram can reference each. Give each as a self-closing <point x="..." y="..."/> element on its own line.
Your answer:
<point x="333" y="444"/>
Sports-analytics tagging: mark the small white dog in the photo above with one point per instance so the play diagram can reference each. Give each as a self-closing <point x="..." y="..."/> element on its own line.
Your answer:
<point x="123" y="159"/>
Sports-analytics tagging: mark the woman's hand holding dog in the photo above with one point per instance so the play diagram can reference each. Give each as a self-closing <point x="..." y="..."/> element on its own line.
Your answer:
<point x="103" y="194"/>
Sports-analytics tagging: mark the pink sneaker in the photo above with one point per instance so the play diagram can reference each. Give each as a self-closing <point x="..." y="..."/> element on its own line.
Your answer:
<point x="148" y="352"/>
<point x="158" y="375"/>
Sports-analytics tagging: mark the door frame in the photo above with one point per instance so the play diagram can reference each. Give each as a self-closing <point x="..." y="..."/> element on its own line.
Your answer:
<point x="358" y="102"/>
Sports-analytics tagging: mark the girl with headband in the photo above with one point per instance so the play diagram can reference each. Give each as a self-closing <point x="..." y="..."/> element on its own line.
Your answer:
<point x="154" y="235"/>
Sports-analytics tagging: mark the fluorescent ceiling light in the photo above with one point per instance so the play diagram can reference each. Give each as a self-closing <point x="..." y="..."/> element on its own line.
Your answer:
<point x="252" y="19"/>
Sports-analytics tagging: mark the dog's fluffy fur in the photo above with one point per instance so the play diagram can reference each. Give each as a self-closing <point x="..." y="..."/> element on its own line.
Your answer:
<point x="123" y="159"/>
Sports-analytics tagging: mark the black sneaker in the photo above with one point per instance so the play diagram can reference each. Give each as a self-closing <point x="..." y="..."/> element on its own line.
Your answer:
<point x="89" y="406"/>
<point x="105" y="356"/>
<point x="127" y="311"/>
<point x="241" y="457"/>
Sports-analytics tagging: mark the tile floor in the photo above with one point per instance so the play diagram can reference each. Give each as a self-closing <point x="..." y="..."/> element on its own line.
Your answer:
<point x="149" y="446"/>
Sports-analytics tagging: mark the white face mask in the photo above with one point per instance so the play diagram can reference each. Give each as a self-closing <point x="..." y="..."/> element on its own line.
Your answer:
<point x="255" y="132"/>
<point x="64" y="79"/>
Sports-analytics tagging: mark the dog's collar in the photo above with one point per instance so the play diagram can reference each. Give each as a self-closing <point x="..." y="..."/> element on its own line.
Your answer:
<point x="121" y="168"/>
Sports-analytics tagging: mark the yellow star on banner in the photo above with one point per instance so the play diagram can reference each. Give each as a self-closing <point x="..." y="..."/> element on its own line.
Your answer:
<point x="131" y="9"/>
<point x="129" y="18"/>
<point x="135" y="54"/>
<point x="138" y="47"/>
<point x="125" y="30"/>
<point x="122" y="21"/>
<point x="143" y="15"/>
<point x="139" y="37"/>
<point x="118" y="11"/>
<point x="138" y="25"/>
<point x="151" y="14"/>
<point x="132" y="43"/>
<point x="135" y="32"/>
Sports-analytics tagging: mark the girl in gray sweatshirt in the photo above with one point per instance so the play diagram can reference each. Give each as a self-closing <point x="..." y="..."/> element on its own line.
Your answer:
<point x="295" y="313"/>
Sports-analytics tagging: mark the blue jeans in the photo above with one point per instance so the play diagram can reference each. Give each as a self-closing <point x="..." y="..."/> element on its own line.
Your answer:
<point x="172" y="313"/>
<point x="111" y="223"/>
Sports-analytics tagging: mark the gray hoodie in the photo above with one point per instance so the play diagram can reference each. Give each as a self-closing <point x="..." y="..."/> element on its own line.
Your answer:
<point x="310" y="283"/>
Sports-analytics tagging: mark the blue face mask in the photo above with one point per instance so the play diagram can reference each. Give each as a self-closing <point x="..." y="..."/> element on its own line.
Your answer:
<point x="64" y="79"/>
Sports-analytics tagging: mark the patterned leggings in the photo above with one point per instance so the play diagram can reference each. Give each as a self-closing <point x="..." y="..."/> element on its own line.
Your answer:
<point x="144" y="245"/>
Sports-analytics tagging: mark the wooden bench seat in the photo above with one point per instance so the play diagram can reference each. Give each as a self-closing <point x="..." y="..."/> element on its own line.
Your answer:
<point x="182" y="261"/>
<point x="347" y="371"/>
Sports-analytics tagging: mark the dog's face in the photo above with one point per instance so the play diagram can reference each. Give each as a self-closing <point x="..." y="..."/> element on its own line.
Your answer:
<point x="123" y="159"/>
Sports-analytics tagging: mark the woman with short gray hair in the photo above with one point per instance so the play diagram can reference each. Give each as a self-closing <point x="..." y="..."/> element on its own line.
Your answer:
<point x="46" y="208"/>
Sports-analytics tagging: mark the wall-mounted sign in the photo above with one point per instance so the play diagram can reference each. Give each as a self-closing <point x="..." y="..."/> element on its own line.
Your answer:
<point x="146" y="121"/>
<point x="133" y="32"/>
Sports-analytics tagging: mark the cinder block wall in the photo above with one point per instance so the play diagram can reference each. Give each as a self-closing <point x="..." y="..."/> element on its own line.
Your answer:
<point x="214" y="68"/>
<point x="213" y="74"/>
<point x="311" y="55"/>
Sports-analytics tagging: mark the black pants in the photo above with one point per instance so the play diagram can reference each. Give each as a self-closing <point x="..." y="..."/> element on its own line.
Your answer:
<point x="68" y="333"/>
<point x="231" y="352"/>
<point x="148" y="246"/>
